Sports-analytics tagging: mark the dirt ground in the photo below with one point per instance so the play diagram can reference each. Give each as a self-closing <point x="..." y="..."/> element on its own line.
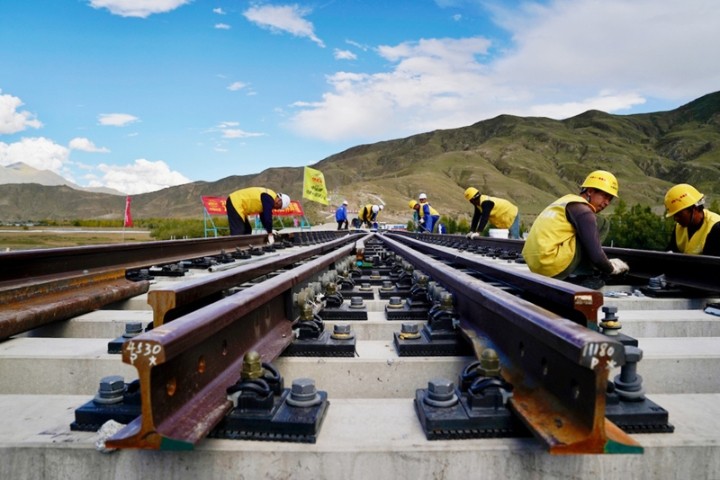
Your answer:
<point x="19" y="238"/>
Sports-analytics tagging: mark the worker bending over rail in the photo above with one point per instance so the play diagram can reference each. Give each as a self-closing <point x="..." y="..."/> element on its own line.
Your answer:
<point x="499" y="212"/>
<point x="254" y="201"/>
<point x="424" y="215"/>
<point x="368" y="216"/>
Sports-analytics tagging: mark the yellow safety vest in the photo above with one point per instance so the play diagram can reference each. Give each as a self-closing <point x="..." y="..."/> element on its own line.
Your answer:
<point x="696" y="244"/>
<point x="366" y="213"/>
<point x="550" y="246"/>
<point x="503" y="213"/>
<point x="247" y="200"/>
<point x="432" y="210"/>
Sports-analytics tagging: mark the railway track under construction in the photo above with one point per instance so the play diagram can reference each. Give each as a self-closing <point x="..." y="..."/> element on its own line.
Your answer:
<point x="406" y="356"/>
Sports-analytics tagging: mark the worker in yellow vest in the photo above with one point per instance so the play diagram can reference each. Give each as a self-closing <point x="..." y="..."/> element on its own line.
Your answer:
<point x="497" y="211"/>
<point x="697" y="230"/>
<point x="368" y="216"/>
<point x="424" y="215"/>
<point x="254" y="201"/>
<point x="565" y="240"/>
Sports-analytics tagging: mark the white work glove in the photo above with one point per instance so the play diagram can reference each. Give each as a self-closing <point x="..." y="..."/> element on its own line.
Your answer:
<point x="474" y="236"/>
<point x="422" y="221"/>
<point x="271" y="239"/>
<point x="618" y="266"/>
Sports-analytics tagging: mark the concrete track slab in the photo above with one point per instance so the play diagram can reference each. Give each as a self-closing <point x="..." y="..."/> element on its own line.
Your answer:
<point x="359" y="439"/>
<point x="647" y="304"/>
<point x="110" y="324"/>
<point x="73" y="366"/>
<point x="668" y="323"/>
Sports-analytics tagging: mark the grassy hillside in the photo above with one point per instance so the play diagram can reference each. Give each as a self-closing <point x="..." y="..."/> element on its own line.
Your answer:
<point x="529" y="161"/>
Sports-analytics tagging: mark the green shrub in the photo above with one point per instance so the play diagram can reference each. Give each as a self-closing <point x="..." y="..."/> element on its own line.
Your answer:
<point x="638" y="228"/>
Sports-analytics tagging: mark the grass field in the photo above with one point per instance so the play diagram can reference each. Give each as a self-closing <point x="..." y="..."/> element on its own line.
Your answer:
<point x="21" y="238"/>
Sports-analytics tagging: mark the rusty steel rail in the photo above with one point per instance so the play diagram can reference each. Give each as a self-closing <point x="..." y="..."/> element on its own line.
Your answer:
<point x="171" y="301"/>
<point x="690" y="271"/>
<point x="25" y="307"/>
<point x="186" y="365"/>
<point x="38" y="287"/>
<point x="460" y="241"/>
<point x="558" y="368"/>
<point x="570" y="301"/>
<point x="24" y="265"/>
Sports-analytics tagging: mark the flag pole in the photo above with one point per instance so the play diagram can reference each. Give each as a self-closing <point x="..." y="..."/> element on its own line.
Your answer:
<point x="127" y="221"/>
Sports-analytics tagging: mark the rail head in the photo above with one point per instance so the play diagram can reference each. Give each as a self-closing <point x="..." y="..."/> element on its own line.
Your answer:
<point x="185" y="366"/>
<point x="577" y="303"/>
<point x="19" y="265"/>
<point x="549" y="360"/>
<point x="188" y="294"/>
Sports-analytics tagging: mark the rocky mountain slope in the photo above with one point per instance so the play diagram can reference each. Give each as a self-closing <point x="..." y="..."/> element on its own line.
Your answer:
<point x="20" y="172"/>
<point x="528" y="160"/>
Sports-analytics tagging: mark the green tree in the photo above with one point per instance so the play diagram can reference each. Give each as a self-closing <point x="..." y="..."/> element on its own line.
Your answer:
<point x="638" y="228"/>
<point x="463" y="226"/>
<point x="451" y="224"/>
<point x="715" y="206"/>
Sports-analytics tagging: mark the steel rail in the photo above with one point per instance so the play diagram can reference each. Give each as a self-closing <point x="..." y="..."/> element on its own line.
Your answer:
<point x="570" y="301"/>
<point x="171" y="301"/>
<point x="26" y="307"/>
<point x="558" y="368"/>
<point x="460" y="241"/>
<point x="690" y="271"/>
<point x="185" y="366"/>
<point x="24" y="265"/>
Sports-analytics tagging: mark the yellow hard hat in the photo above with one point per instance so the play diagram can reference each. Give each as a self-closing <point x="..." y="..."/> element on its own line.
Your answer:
<point x="412" y="203"/>
<point x="602" y="180"/>
<point x="680" y="197"/>
<point x="470" y="193"/>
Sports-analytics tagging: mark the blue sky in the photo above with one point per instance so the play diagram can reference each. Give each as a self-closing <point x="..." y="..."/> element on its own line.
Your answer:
<point x="139" y="95"/>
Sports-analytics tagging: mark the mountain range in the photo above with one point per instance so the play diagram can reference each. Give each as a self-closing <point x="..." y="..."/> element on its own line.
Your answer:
<point x="528" y="160"/>
<point x="20" y="172"/>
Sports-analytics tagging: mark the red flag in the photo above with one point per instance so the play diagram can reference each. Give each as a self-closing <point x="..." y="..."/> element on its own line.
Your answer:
<point x="128" y="216"/>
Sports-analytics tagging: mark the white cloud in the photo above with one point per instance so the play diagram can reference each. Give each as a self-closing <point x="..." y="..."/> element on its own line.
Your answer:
<point x="605" y="101"/>
<point x="230" y="130"/>
<point x="138" y="8"/>
<point x="236" y="86"/>
<point x="432" y="80"/>
<point x="657" y="47"/>
<point x="86" y="145"/>
<point x="12" y="120"/>
<point x="116" y="119"/>
<point x="566" y="57"/>
<point x="283" y="18"/>
<point x="142" y="176"/>
<point x="344" y="54"/>
<point x="219" y="11"/>
<point x="38" y="152"/>
<point x="357" y="45"/>
<point x="238" y="133"/>
<point x="222" y="26"/>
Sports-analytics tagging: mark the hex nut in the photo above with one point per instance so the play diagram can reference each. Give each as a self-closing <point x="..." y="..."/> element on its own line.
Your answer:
<point x="303" y="393"/>
<point x="441" y="393"/>
<point x="111" y="390"/>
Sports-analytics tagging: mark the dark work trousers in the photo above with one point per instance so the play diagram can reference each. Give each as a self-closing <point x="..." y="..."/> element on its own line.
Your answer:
<point x="238" y="226"/>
